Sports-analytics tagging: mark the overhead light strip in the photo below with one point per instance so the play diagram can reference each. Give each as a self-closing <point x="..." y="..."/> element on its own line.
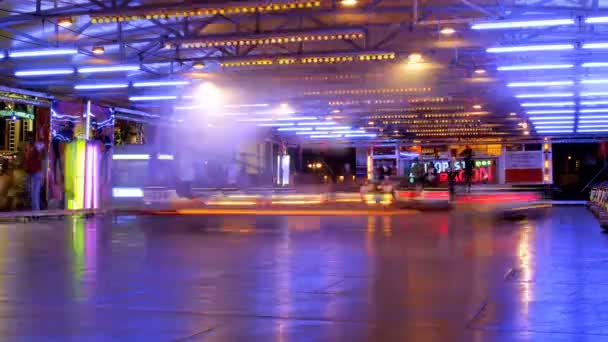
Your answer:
<point x="534" y="67"/>
<point x="539" y="84"/>
<point x="543" y="95"/>
<point x="43" y="72"/>
<point x="41" y="53"/>
<point x="235" y="9"/>
<point x="530" y="48"/>
<point x="496" y="25"/>
<point x="109" y="68"/>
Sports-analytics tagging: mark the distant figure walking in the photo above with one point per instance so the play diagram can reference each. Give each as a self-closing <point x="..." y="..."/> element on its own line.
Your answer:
<point x="468" y="167"/>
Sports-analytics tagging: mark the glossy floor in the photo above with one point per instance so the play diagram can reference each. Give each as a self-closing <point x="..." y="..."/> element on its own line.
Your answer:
<point x="421" y="277"/>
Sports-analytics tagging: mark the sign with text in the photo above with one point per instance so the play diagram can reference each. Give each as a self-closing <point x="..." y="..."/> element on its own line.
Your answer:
<point x="524" y="160"/>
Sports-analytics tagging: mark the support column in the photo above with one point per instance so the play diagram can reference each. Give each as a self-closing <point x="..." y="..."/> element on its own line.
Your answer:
<point x="501" y="165"/>
<point x="547" y="163"/>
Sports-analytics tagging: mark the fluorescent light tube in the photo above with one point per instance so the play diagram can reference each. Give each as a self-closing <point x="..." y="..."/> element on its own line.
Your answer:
<point x="276" y="124"/>
<point x="294" y="129"/>
<point x="594" y="103"/>
<point x="530" y="48"/>
<point x="543" y="118"/>
<point x="543" y="95"/>
<point x="43" y="72"/>
<point x="331" y="128"/>
<point x="127" y="193"/>
<point x="131" y="157"/>
<point x="100" y="86"/>
<point x="42" y="53"/>
<point x="591" y="94"/>
<point x="594" y="110"/>
<point x="297" y="118"/>
<point x="596" y="20"/>
<point x="595" y="65"/>
<point x="496" y="25"/>
<point x="547" y="104"/>
<point x="534" y="67"/>
<point x="551" y="111"/>
<point x="597" y="81"/>
<point x="317" y="123"/>
<point x="159" y="84"/>
<point x="369" y="135"/>
<point x="586" y="117"/>
<point x="602" y="45"/>
<point x="539" y="84"/>
<point x="322" y="136"/>
<point x="593" y="130"/>
<point x="108" y="68"/>
<point x="555" y="122"/>
<point x="554" y="131"/>
<point x="152" y="98"/>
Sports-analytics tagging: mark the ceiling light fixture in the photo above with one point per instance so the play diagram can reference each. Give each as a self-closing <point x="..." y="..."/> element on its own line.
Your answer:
<point x="198" y="65"/>
<point x="545" y="118"/>
<point x="530" y="48"/>
<point x="65" y="22"/>
<point x="480" y="71"/>
<point x="534" y="67"/>
<point x="107" y="68"/>
<point x="548" y="104"/>
<point x="601" y="45"/>
<point x="43" y="72"/>
<point x="551" y="111"/>
<point x="152" y="98"/>
<point x="159" y="84"/>
<point x="242" y="8"/>
<point x="98" y="50"/>
<point x="414" y="58"/>
<point x="539" y="84"/>
<point x="42" y="53"/>
<point x="598" y="81"/>
<point x="496" y="25"/>
<point x="595" y="65"/>
<point x="348" y="3"/>
<point x="543" y="95"/>
<point x="447" y="31"/>
<point x="101" y="86"/>
<point x="593" y="94"/>
<point x="596" y="20"/>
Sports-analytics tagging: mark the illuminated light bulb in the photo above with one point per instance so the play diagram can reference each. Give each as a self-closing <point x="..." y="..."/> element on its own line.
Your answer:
<point x="98" y="50"/>
<point x="198" y="65"/>
<point x="414" y="58"/>
<point x="348" y="3"/>
<point x="447" y="31"/>
<point x="480" y="71"/>
<point x="65" y="22"/>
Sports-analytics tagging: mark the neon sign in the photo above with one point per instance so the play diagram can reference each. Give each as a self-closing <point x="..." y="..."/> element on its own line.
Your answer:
<point x="483" y="172"/>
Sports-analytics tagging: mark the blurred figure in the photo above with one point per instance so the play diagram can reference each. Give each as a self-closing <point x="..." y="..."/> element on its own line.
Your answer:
<point x="418" y="174"/>
<point x="431" y="174"/>
<point x="33" y="169"/>
<point x="468" y="167"/>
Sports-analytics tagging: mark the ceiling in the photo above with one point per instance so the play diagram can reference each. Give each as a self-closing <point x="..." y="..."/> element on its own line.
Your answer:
<point x="384" y="69"/>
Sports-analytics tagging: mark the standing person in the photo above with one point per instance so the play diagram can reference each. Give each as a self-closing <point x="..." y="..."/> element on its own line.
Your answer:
<point x="431" y="174"/>
<point x="468" y="167"/>
<point x="418" y="173"/>
<point x="33" y="169"/>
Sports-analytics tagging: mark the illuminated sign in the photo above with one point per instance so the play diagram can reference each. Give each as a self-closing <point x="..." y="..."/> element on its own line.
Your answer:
<point x="483" y="172"/>
<point x="16" y="113"/>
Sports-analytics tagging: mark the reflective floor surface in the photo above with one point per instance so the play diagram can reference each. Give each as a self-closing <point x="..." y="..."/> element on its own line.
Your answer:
<point x="435" y="276"/>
